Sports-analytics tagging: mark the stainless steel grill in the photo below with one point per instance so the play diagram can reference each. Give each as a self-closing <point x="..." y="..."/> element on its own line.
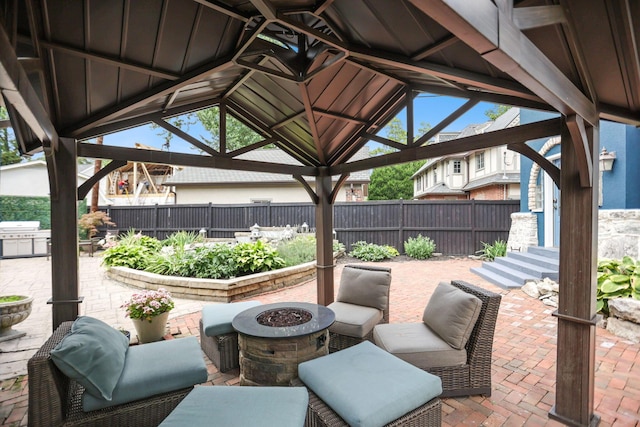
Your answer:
<point x="22" y="239"/>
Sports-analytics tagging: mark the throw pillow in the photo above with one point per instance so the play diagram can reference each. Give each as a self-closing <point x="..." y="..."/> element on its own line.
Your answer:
<point x="93" y="354"/>
<point x="452" y="313"/>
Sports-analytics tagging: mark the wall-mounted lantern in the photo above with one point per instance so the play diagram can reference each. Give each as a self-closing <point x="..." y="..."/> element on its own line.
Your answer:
<point x="607" y="159"/>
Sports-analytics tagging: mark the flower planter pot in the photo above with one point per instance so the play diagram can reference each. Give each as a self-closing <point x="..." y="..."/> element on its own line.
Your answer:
<point x="12" y="313"/>
<point x="153" y="330"/>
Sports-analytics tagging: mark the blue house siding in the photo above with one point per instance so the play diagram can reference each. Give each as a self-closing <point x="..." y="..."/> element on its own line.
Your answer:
<point x="620" y="186"/>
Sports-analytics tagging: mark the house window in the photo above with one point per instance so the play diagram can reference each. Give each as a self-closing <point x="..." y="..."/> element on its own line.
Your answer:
<point x="457" y="166"/>
<point x="435" y="176"/>
<point x="480" y="161"/>
<point x="419" y="183"/>
<point x="538" y="197"/>
<point x="260" y="200"/>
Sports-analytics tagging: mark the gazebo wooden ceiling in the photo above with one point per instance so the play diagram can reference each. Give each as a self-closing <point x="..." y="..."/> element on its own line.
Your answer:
<point x="319" y="79"/>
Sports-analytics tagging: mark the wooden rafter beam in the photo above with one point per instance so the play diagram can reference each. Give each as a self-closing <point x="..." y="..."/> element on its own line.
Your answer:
<point x="164" y="89"/>
<point x="220" y="7"/>
<point x="167" y="158"/>
<point x="435" y="48"/>
<point x="507" y="136"/>
<point x="495" y="36"/>
<point x="538" y="16"/>
<point x="109" y="60"/>
<point x="306" y="100"/>
<point x="447" y="121"/>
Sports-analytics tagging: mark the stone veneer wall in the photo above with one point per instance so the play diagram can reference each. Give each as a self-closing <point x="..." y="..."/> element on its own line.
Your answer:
<point x="523" y="232"/>
<point x="618" y="233"/>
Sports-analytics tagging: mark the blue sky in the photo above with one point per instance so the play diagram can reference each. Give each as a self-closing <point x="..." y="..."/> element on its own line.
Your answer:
<point x="428" y="109"/>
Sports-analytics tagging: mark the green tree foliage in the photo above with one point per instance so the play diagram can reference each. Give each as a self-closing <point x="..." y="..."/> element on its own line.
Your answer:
<point x="394" y="182"/>
<point x="181" y="122"/>
<point x="8" y="145"/>
<point x="496" y="111"/>
<point x="238" y="134"/>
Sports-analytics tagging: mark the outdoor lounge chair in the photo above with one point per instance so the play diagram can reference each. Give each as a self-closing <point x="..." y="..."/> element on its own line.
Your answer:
<point x="454" y="341"/>
<point x="362" y="303"/>
<point x="163" y="372"/>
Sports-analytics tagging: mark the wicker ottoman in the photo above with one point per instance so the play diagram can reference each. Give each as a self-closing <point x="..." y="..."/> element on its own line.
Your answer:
<point x="364" y="386"/>
<point x="218" y="339"/>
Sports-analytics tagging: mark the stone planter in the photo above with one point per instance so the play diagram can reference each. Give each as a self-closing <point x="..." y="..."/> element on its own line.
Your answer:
<point x="12" y="313"/>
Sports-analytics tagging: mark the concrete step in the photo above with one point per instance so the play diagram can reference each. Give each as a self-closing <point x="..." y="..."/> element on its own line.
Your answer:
<point x="527" y="267"/>
<point x="496" y="279"/>
<point x="508" y="272"/>
<point x="553" y="253"/>
<point x="544" y="262"/>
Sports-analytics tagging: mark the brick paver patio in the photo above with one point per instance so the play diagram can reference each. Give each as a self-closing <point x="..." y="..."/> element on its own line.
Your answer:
<point x="524" y="345"/>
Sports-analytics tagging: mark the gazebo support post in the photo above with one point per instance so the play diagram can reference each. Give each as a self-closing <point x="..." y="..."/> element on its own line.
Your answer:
<point x="324" y="236"/>
<point x="576" y="310"/>
<point x="64" y="235"/>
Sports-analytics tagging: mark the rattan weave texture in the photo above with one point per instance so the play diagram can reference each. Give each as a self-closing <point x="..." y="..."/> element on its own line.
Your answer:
<point x="55" y="400"/>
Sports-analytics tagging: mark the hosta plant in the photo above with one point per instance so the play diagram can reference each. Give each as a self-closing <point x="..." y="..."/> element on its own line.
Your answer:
<point x="617" y="279"/>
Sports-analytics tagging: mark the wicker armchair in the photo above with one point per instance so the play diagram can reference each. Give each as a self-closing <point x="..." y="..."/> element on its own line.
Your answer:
<point x="470" y="377"/>
<point x="362" y="302"/>
<point x="55" y="400"/>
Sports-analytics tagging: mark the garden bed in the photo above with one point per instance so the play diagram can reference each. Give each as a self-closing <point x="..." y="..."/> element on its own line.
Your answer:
<point x="219" y="290"/>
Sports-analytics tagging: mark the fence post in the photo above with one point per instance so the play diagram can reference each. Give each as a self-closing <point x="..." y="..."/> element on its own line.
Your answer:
<point x="155" y="224"/>
<point x="400" y="226"/>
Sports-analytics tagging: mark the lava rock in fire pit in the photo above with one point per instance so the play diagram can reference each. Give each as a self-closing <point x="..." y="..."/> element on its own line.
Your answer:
<point x="283" y="317"/>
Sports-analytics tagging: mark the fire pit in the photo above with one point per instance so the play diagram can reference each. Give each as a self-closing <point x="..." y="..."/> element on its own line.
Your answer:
<point x="275" y="338"/>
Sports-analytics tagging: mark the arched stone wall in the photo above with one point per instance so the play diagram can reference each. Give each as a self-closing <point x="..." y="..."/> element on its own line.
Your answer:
<point x="535" y="171"/>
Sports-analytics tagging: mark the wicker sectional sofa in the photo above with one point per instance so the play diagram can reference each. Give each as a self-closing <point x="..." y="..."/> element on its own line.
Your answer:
<point x="57" y="400"/>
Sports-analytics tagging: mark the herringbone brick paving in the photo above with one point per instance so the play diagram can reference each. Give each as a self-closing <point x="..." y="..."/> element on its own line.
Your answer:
<point x="523" y="363"/>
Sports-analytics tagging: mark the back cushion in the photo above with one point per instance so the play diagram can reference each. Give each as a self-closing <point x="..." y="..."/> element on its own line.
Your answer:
<point x="362" y="286"/>
<point x="452" y="313"/>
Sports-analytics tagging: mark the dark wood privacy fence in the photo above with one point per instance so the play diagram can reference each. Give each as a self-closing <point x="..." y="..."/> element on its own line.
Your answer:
<point x="457" y="227"/>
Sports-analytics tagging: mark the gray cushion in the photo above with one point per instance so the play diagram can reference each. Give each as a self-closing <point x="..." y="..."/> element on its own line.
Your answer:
<point x="93" y="354"/>
<point x="452" y="313"/>
<point x="417" y="344"/>
<point x="241" y="406"/>
<point x="354" y="320"/>
<point x="367" y="386"/>
<point x="217" y="318"/>
<point x="364" y="285"/>
<point x="155" y="368"/>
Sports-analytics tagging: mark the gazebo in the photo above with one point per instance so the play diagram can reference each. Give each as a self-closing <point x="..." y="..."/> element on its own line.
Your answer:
<point x="318" y="79"/>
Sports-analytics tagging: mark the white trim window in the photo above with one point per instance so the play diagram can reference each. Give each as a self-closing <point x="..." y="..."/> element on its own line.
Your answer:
<point x="480" y="161"/>
<point x="457" y="166"/>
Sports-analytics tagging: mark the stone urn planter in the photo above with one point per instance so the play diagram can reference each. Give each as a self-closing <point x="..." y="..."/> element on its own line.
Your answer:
<point x="13" y="310"/>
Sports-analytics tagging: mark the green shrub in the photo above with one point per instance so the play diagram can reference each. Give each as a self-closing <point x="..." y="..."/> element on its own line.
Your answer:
<point x="617" y="279"/>
<point x="297" y="251"/>
<point x="419" y="247"/>
<point x="371" y="252"/>
<point x="256" y="258"/>
<point x="131" y="256"/>
<point x="491" y="252"/>
<point x="182" y="238"/>
<point x="131" y="238"/>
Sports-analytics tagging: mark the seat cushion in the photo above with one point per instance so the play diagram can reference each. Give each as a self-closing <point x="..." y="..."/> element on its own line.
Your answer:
<point x="155" y="368"/>
<point x="241" y="406"/>
<point x="452" y="313"/>
<point x="354" y="320"/>
<point x="93" y="354"/>
<point x="216" y="318"/>
<point x="367" y="386"/>
<point x="417" y="344"/>
<point x="368" y="286"/>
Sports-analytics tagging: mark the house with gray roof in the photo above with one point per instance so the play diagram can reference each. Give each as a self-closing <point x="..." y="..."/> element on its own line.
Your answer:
<point x="193" y="185"/>
<point x="484" y="174"/>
